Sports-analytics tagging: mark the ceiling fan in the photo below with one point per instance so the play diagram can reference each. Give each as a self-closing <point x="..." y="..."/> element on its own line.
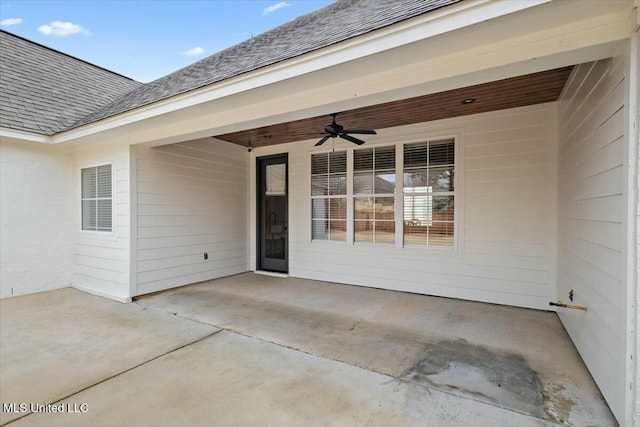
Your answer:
<point x="335" y="130"/>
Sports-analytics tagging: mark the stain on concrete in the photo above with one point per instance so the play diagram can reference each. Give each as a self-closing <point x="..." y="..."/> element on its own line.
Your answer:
<point x="558" y="402"/>
<point x="477" y="372"/>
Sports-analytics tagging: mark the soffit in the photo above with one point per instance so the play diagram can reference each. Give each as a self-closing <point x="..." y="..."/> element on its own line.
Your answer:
<point x="513" y="92"/>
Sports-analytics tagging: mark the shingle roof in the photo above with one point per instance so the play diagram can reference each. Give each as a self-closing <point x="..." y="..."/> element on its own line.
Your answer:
<point x="45" y="91"/>
<point x="332" y="24"/>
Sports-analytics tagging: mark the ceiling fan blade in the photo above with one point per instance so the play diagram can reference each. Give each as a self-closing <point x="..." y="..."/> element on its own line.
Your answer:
<point x="352" y="139"/>
<point x="360" y="132"/>
<point x="322" y="141"/>
<point x="330" y="129"/>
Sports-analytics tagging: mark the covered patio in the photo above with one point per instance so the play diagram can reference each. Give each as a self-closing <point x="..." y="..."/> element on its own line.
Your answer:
<point x="253" y="349"/>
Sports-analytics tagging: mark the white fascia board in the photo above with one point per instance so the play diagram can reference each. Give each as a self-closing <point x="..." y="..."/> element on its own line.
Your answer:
<point x="418" y="28"/>
<point x="24" y="136"/>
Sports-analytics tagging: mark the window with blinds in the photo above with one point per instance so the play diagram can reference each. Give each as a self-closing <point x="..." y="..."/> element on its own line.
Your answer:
<point x="428" y="193"/>
<point x="329" y="196"/>
<point x="96" y="198"/>
<point x="374" y="185"/>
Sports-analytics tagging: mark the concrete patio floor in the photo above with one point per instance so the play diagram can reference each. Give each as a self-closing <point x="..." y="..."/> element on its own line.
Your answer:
<point x="260" y="350"/>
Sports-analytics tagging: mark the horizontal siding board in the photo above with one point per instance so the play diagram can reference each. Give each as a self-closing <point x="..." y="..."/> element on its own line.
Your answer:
<point x="576" y="271"/>
<point x="591" y="214"/>
<point x="179" y="220"/>
<point x="603" y="98"/>
<point x="421" y="281"/>
<point x="608" y="208"/>
<point x="210" y="210"/>
<point x="603" y="258"/>
<point x="505" y="172"/>
<point x="513" y="160"/>
<point x="173" y="282"/>
<point x="604" y="135"/>
<point x="185" y="270"/>
<point x="188" y="152"/>
<point x="607" y="234"/>
<point x="428" y="269"/>
<point x="188" y="165"/>
<point x="512" y="137"/>
<point x="227" y="226"/>
<point x="484" y="295"/>
<point x="190" y="176"/>
<point x="539" y="212"/>
<point x="520" y="185"/>
<point x="593" y="82"/>
<point x="178" y="251"/>
<point x="189" y="195"/>
<point x="607" y="183"/>
<point x="190" y="260"/>
<point x="611" y="105"/>
<point x="191" y="199"/>
<point x="165" y="242"/>
<point x="518" y="262"/>
<point x="571" y="87"/>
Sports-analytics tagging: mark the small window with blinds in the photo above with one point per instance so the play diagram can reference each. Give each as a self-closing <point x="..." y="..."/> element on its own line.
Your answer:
<point x="374" y="186"/>
<point x="97" y="198"/>
<point x="329" y="196"/>
<point x="429" y="193"/>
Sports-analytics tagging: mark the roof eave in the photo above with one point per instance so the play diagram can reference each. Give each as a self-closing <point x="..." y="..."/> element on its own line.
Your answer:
<point x="438" y="22"/>
<point x="25" y="136"/>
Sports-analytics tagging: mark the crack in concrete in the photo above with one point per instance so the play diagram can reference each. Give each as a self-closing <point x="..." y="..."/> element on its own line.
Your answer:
<point x="404" y="378"/>
<point x="121" y="373"/>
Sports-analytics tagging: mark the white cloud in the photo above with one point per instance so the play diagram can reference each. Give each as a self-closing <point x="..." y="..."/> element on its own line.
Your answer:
<point x="61" y="29"/>
<point x="10" y="21"/>
<point x="194" y="51"/>
<point x="275" y="7"/>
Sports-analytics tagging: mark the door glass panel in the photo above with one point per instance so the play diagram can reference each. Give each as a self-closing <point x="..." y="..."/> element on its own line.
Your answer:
<point x="276" y="179"/>
<point x="275" y="227"/>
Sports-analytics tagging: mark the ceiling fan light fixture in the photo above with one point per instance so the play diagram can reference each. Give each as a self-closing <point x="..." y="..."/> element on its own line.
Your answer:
<point x="335" y="130"/>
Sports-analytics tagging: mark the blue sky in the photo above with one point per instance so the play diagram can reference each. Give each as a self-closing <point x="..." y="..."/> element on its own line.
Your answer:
<point x="145" y="40"/>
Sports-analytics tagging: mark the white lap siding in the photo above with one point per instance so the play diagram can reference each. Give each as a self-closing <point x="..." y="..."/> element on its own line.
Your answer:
<point x="102" y="258"/>
<point x="505" y="199"/>
<point x="191" y="199"/>
<point x="591" y="220"/>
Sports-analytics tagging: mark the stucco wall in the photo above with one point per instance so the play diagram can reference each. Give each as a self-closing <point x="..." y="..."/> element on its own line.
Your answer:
<point x="36" y="243"/>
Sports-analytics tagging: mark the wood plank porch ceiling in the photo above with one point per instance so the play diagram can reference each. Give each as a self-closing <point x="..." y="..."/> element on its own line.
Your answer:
<point x="517" y="91"/>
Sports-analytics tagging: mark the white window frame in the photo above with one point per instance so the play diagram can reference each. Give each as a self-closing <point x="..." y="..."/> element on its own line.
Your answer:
<point x="457" y="182"/>
<point x="98" y="233"/>
<point x="374" y="195"/>
<point x="332" y="196"/>
<point x="457" y="134"/>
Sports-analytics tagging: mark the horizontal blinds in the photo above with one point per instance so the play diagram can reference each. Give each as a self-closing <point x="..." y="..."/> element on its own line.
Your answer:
<point x="97" y="198"/>
<point x="328" y="192"/>
<point x="428" y="203"/>
<point x="374" y="159"/>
